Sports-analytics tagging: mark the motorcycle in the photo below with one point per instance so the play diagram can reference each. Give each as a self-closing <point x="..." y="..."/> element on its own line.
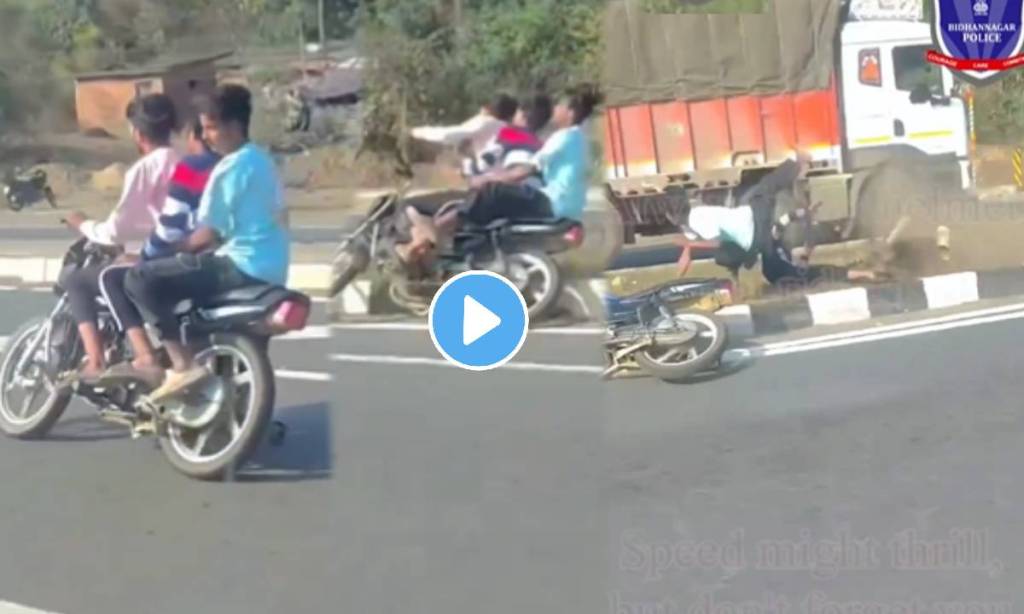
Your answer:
<point x="206" y="433"/>
<point x="25" y="189"/>
<point x="519" y="250"/>
<point x="668" y="331"/>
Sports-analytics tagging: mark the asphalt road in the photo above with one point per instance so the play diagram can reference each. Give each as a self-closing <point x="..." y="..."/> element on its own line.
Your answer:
<point x="880" y="475"/>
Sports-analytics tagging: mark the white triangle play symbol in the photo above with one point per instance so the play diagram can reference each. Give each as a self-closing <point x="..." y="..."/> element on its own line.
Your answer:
<point x="477" y="320"/>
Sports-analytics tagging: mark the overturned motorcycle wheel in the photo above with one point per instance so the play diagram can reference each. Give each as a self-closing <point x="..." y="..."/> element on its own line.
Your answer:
<point x="348" y="263"/>
<point x="23" y="416"/>
<point x="242" y="388"/>
<point x="678" y="362"/>
<point x="539" y="281"/>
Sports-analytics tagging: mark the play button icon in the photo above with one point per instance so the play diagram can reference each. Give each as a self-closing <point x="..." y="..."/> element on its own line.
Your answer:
<point x="478" y="320"/>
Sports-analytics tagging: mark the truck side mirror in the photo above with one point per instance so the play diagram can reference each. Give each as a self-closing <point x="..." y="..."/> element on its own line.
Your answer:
<point x="920" y="94"/>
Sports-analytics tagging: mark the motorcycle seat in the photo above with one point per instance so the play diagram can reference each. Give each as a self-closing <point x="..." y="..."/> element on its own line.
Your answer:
<point x="238" y="296"/>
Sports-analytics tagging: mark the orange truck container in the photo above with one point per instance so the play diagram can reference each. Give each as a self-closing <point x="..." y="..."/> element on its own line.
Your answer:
<point x="680" y="138"/>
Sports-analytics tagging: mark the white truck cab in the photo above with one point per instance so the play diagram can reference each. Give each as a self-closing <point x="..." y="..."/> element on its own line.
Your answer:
<point x="892" y="97"/>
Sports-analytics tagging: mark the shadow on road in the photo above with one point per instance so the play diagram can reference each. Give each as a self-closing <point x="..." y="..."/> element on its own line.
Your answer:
<point x="84" y="429"/>
<point x="303" y="454"/>
<point x="732" y="363"/>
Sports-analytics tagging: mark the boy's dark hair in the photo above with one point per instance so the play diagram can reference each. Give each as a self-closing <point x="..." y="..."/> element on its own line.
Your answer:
<point x="503" y="107"/>
<point x="154" y="116"/>
<point x="230" y="103"/>
<point x="583" y="99"/>
<point x="193" y="128"/>
<point x="538" y="109"/>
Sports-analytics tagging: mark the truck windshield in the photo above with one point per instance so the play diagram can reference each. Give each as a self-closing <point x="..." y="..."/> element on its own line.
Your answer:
<point x="912" y="70"/>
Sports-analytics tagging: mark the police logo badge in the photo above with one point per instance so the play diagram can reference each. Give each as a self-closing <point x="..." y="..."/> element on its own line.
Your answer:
<point x="979" y="40"/>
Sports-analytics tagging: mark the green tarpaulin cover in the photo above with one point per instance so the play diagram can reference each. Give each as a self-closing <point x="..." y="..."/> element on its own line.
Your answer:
<point x="658" y="56"/>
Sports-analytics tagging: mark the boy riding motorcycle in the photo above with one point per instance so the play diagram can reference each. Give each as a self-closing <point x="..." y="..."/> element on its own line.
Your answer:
<point x="241" y="237"/>
<point x="153" y="119"/>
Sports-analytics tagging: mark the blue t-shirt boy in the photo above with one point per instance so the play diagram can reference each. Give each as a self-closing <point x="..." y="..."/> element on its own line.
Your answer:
<point x="243" y="202"/>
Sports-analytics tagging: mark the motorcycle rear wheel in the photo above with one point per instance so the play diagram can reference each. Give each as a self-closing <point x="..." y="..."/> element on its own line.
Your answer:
<point x="21" y="423"/>
<point x="671" y="365"/>
<point x="539" y="281"/>
<point x="242" y="367"/>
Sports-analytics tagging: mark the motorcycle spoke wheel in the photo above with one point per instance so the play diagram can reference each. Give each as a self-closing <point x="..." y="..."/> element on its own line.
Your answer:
<point x="704" y="339"/>
<point x="537" y="279"/>
<point x="21" y="392"/>
<point x="210" y="443"/>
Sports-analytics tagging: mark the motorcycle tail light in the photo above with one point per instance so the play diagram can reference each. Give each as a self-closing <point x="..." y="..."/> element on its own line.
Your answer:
<point x="574" y="236"/>
<point x="290" y="316"/>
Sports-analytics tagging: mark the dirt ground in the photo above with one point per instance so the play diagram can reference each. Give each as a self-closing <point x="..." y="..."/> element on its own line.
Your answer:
<point x="86" y="174"/>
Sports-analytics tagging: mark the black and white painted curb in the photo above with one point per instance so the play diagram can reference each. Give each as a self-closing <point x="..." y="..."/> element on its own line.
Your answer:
<point x="859" y="304"/>
<point x="36" y="271"/>
<point x="584" y="300"/>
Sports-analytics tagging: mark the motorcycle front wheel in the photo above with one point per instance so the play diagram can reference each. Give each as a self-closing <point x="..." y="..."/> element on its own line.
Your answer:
<point x="230" y="412"/>
<point x="348" y="263"/>
<point x="679" y="362"/>
<point x="31" y="402"/>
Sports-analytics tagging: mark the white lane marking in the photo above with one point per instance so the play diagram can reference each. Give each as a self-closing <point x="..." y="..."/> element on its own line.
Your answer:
<point x="3" y="342"/>
<point x="6" y="607"/>
<point x="310" y="332"/>
<point x="418" y="326"/>
<point x="951" y="290"/>
<point x="912" y="324"/>
<point x="839" y="306"/>
<point x="438" y="362"/>
<point x="303" y="376"/>
<point x="810" y="345"/>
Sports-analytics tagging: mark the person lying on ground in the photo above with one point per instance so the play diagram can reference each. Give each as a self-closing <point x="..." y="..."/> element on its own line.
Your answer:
<point x="241" y="216"/>
<point x="146" y="184"/>
<point x="783" y="241"/>
<point x="175" y="223"/>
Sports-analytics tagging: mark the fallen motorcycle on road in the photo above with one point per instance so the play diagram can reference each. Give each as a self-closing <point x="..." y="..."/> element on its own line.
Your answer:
<point x="669" y="331"/>
<point x="519" y="250"/>
<point x="208" y="432"/>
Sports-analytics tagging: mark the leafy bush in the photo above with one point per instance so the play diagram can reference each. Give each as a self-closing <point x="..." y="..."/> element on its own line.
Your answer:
<point x="430" y="66"/>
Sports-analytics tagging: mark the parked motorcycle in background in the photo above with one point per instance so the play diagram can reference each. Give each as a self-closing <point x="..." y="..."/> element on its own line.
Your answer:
<point x="669" y="331"/>
<point x="208" y="432"/>
<point x="24" y="189"/>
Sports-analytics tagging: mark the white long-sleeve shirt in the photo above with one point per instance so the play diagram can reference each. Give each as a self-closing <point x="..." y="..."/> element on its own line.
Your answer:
<point x="479" y="130"/>
<point x="142" y="197"/>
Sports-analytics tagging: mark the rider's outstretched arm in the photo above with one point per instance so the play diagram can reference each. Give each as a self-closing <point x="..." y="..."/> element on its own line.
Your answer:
<point x="454" y="135"/>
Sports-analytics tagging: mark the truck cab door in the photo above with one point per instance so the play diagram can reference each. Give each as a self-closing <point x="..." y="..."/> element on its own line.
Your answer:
<point x="933" y="121"/>
<point x="867" y="110"/>
<point x="880" y="113"/>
